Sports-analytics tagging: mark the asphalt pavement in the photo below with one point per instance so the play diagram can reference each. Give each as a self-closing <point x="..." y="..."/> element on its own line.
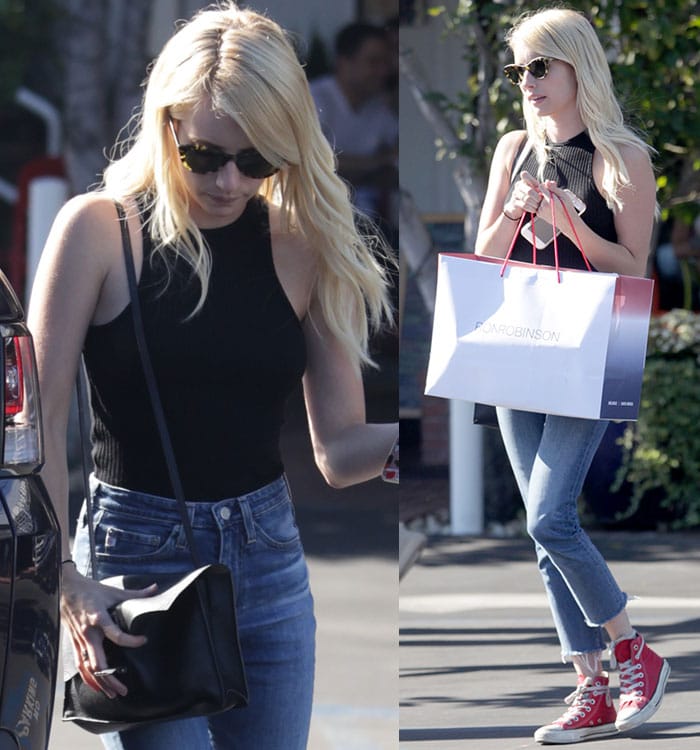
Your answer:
<point x="479" y="661"/>
<point x="351" y="541"/>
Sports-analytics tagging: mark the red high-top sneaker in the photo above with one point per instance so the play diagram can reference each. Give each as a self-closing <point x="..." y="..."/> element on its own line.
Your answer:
<point x="643" y="678"/>
<point x="590" y="714"/>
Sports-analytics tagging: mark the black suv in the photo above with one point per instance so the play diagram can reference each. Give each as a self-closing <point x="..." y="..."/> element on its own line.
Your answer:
<point x="29" y="546"/>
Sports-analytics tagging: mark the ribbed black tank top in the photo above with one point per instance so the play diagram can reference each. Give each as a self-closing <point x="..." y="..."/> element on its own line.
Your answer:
<point x="571" y="165"/>
<point x="223" y="375"/>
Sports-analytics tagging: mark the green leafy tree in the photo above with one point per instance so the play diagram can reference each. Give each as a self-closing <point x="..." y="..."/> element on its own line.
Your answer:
<point x="661" y="452"/>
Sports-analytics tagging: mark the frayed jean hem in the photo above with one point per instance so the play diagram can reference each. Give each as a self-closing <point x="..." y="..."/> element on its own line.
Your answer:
<point x="568" y="657"/>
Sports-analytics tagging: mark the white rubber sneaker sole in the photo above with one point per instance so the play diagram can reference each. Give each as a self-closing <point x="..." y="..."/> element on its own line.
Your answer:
<point x="553" y="734"/>
<point x="630" y="721"/>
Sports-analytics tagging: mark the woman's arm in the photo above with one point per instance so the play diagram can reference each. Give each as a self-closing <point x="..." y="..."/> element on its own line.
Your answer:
<point x="347" y="450"/>
<point x="634" y="223"/>
<point x="496" y="229"/>
<point x="71" y="289"/>
<point x="70" y="275"/>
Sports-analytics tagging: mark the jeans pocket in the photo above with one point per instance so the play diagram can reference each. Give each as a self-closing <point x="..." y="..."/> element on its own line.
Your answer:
<point x="121" y="537"/>
<point x="277" y="527"/>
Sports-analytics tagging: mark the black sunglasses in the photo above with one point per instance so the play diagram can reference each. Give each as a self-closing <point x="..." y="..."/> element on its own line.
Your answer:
<point x="539" y="67"/>
<point x="202" y="159"/>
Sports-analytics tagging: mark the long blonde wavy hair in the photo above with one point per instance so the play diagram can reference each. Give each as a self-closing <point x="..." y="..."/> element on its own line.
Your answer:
<point x="246" y="66"/>
<point x="567" y="35"/>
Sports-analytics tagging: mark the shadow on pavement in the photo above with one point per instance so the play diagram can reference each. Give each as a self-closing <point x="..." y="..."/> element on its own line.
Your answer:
<point x="647" y="547"/>
<point x="668" y="731"/>
<point x="462" y="733"/>
<point x="460" y="637"/>
<point x="489" y="674"/>
<point x="685" y="665"/>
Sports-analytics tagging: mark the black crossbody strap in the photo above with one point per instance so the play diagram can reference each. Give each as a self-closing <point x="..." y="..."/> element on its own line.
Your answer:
<point x="83" y="424"/>
<point x="158" y="413"/>
<point x="83" y="411"/>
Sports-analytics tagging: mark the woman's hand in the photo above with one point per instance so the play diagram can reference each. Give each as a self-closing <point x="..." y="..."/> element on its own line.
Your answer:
<point x="553" y="195"/>
<point x="85" y="606"/>
<point x="526" y="196"/>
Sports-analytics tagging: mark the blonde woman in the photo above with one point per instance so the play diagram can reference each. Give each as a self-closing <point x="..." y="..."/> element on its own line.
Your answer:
<point x="577" y="150"/>
<point x="252" y="277"/>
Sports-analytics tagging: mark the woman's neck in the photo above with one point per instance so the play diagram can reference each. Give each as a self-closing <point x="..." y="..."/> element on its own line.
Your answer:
<point x="560" y="129"/>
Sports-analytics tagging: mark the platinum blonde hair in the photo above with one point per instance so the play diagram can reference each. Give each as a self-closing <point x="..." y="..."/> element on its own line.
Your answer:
<point x="567" y="35"/>
<point x="244" y="64"/>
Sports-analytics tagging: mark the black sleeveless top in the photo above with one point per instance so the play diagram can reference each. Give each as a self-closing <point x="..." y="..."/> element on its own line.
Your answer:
<point x="571" y="166"/>
<point x="223" y="375"/>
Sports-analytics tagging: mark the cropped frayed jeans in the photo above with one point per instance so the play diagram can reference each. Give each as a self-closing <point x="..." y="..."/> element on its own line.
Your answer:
<point x="550" y="457"/>
<point x="256" y="536"/>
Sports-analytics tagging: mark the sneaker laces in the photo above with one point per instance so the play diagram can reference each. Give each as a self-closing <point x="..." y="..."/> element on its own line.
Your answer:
<point x="582" y="700"/>
<point x="631" y="680"/>
<point x="631" y="673"/>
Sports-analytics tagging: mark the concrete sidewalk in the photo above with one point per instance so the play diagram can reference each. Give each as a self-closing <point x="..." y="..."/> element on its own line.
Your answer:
<point x="479" y="659"/>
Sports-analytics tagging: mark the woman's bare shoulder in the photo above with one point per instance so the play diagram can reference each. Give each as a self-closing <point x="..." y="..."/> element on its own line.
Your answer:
<point x="508" y="147"/>
<point x="637" y="160"/>
<point x="512" y="139"/>
<point x="295" y="261"/>
<point x="290" y="238"/>
<point x="86" y="209"/>
<point x="86" y="220"/>
<point x="85" y="236"/>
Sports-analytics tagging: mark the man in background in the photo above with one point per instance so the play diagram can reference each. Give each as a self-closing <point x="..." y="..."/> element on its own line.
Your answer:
<point x="358" y="121"/>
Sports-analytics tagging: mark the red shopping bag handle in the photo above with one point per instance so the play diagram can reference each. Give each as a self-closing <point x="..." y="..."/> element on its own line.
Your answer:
<point x="578" y="243"/>
<point x="515" y="239"/>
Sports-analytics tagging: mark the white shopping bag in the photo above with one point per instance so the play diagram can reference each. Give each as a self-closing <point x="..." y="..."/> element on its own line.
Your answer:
<point x="571" y="343"/>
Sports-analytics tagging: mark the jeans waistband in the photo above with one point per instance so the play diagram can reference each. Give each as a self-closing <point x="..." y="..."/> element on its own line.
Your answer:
<point x="227" y="511"/>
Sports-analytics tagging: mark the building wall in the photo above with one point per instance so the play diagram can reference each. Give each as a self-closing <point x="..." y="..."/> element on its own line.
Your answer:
<point x="430" y="182"/>
<point x="437" y="57"/>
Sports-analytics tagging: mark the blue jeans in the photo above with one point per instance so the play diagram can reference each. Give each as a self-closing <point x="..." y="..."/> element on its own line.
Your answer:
<point x="550" y="457"/>
<point x="256" y="536"/>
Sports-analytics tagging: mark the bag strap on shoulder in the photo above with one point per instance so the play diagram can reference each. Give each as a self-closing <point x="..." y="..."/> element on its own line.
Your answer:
<point x="156" y="404"/>
<point x="149" y="375"/>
